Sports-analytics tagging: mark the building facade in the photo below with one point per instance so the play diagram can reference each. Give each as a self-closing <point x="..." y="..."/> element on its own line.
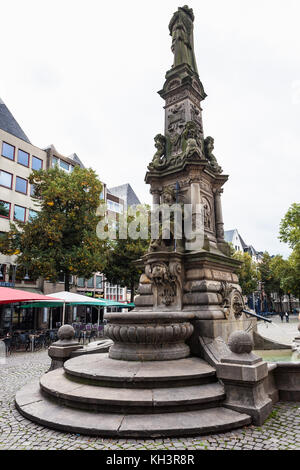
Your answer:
<point x="233" y="237"/>
<point x="18" y="158"/>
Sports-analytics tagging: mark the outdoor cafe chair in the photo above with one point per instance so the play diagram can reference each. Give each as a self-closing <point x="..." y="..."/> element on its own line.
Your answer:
<point x="40" y="342"/>
<point x="23" y="341"/>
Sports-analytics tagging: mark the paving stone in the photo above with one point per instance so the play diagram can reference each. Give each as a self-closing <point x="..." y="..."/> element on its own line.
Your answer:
<point x="279" y="432"/>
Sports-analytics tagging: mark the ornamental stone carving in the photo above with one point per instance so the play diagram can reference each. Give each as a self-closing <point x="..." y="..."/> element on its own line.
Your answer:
<point x="149" y="334"/>
<point x="159" y="160"/>
<point x="192" y="141"/>
<point x="209" y="147"/>
<point x="166" y="279"/>
<point x="232" y="300"/>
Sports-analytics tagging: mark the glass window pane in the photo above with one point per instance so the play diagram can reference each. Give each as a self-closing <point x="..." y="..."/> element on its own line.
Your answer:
<point x="98" y="282"/>
<point x="5" y="179"/>
<point x="32" y="214"/>
<point x="90" y="282"/>
<point x="4" y="209"/>
<point x="21" y="185"/>
<point x="19" y="213"/>
<point x="64" y="165"/>
<point x="37" y="163"/>
<point x="54" y="161"/>
<point x="80" y="282"/>
<point x="32" y="190"/>
<point x="8" y="151"/>
<point x="23" y="158"/>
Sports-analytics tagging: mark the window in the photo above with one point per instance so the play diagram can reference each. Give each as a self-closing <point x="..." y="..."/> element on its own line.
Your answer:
<point x="32" y="190"/>
<point x="19" y="213"/>
<point x="4" y="209"/>
<point x="98" y="282"/>
<point x="32" y="214"/>
<point x="64" y="165"/>
<point x="5" y="179"/>
<point x="8" y="151"/>
<point x="80" y="282"/>
<point x="54" y="161"/>
<point x="21" y="185"/>
<point x="37" y="163"/>
<point x="90" y="282"/>
<point x="23" y="158"/>
<point x="114" y="206"/>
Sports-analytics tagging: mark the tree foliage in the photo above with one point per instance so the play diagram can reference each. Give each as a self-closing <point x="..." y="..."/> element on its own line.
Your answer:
<point x="62" y="237"/>
<point x="290" y="227"/>
<point x="247" y="273"/>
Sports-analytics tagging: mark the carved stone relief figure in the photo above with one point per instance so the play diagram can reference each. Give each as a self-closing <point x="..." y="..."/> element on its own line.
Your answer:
<point x="192" y="138"/>
<point x="166" y="239"/>
<point x="176" y="118"/>
<point x="196" y="116"/>
<point x="159" y="160"/>
<point x="207" y="214"/>
<point x="209" y="147"/>
<point x="167" y="279"/>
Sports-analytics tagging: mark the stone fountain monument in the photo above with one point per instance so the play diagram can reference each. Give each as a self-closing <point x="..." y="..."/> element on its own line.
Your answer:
<point x="170" y="370"/>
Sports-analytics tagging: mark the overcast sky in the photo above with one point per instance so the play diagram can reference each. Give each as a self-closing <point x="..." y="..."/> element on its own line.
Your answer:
<point x="83" y="75"/>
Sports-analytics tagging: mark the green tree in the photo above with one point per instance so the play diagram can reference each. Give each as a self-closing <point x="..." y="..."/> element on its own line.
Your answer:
<point x="268" y="278"/>
<point x="62" y="237"/>
<point x="290" y="227"/>
<point x="121" y="256"/>
<point x="247" y="273"/>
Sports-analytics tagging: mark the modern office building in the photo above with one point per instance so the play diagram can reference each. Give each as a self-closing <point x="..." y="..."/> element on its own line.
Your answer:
<point x="18" y="157"/>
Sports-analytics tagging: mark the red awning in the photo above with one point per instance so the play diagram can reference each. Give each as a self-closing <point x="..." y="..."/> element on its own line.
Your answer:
<point x="12" y="296"/>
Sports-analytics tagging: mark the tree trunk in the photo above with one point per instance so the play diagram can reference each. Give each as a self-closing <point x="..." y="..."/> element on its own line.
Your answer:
<point x="67" y="281"/>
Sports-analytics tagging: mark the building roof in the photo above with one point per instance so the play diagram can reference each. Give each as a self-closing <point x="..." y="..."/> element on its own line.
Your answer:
<point x="76" y="159"/>
<point x="126" y="193"/>
<point x="9" y="124"/>
<point x="229" y="234"/>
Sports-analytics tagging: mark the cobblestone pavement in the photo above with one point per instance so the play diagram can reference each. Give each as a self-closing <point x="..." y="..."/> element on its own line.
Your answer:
<point x="280" y="432"/>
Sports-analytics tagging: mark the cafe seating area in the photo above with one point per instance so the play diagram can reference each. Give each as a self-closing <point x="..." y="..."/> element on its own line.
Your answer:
<point x="29" y="341"/>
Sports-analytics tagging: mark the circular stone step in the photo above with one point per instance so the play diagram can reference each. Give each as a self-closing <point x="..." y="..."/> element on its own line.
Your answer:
<point x="33" y="405"/>
<point x="90" y="397"/>
<point x="100" y="369"/>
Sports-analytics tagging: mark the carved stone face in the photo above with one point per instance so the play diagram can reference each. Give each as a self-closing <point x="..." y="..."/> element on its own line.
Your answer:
<point x="158" y="273"/>
<point x="167" y="198"/>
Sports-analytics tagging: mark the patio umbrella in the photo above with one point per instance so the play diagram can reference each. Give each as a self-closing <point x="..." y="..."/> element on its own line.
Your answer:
<point x="12" y="296"/>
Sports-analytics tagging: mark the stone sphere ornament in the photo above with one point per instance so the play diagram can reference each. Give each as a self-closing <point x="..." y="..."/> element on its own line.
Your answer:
<point x="66" y="332"/>
<point x="240" y="342"/>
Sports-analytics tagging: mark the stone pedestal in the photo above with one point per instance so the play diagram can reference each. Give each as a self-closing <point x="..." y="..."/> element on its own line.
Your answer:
<point x="243" y="375"/>
<point x="61" y="350"/>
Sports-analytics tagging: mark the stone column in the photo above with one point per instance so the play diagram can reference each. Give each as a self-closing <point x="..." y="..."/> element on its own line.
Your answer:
<point x="155" y="196"/>
<point x="219" y="215"/>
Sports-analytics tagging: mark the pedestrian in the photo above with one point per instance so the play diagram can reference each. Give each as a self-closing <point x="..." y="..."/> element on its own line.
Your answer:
<point x="281" y="316"/>
<point x="287" y="317"/>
